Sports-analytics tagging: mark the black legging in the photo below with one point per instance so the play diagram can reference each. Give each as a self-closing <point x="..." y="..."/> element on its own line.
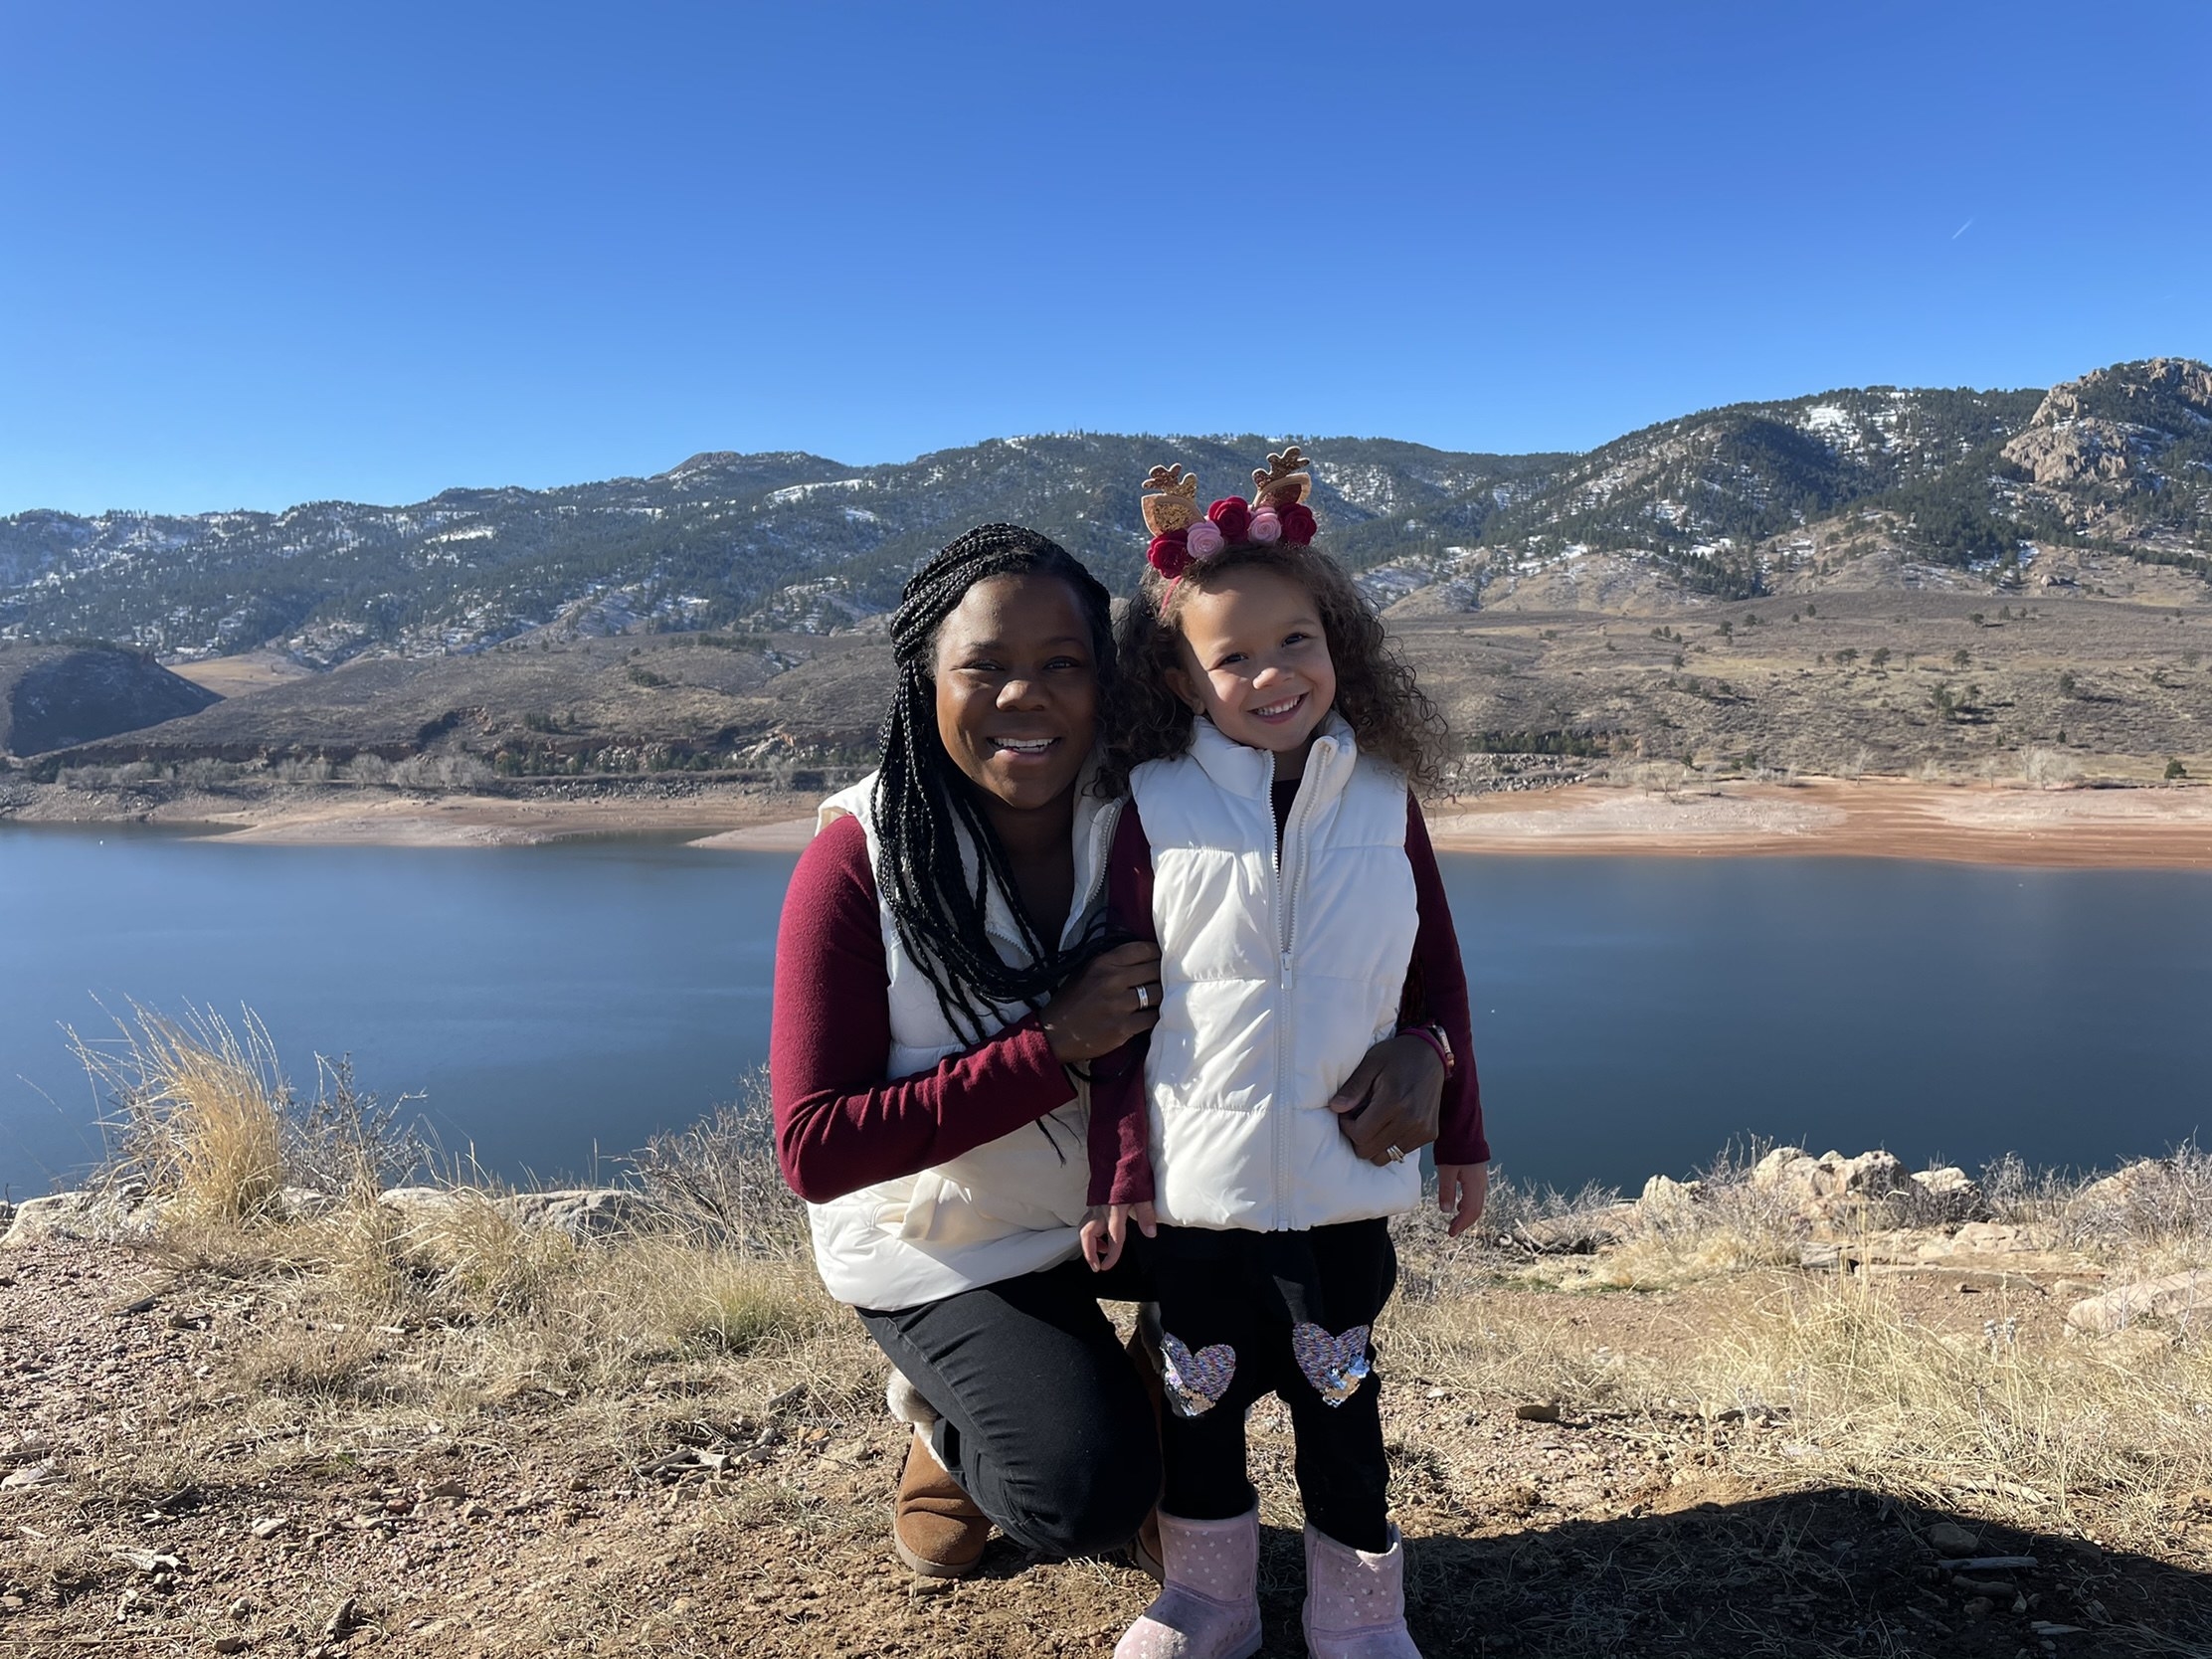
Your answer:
<point x="1042" y="1416"/>
<point x="1222" y="1288"/>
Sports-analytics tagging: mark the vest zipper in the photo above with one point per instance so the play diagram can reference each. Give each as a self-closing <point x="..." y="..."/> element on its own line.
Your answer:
<point x="1290" y="871"/>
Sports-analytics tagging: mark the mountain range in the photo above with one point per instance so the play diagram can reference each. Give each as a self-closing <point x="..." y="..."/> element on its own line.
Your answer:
<point x="1730" y="503"/>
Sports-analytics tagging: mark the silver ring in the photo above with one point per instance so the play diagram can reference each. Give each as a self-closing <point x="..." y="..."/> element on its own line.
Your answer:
<point x="1143" y="995"/>
<point x="1397" y="1156"/>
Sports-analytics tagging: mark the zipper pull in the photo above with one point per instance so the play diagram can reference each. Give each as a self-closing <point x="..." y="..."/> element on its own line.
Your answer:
<point x="1289" y="977"/>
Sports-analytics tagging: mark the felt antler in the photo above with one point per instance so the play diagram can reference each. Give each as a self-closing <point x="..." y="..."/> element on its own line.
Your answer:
<point x="1171" y="499"/>
<point x="1283" y="481"/>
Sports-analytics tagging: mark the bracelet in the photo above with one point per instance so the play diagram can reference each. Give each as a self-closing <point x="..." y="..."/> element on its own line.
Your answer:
<point x="1436" y="1039"/>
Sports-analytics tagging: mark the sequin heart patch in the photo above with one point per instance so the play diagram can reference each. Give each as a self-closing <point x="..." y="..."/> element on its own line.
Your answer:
<point x="1335" y="1366"/>
<point x="1195" y="1383"/>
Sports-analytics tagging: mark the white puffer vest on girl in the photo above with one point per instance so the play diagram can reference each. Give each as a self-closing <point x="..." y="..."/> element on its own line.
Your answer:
<point x="1278" y="975"/>
<point x="1010" y="1207"/>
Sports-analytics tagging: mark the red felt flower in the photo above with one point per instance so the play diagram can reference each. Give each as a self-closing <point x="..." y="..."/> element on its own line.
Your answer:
<point x="1234" y="518"/>
<point x="1168" y="555"/>
<point x="1298" y="522"/>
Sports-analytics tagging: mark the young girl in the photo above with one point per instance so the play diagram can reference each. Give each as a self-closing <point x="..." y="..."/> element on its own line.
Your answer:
<point x="1273" y="849"/>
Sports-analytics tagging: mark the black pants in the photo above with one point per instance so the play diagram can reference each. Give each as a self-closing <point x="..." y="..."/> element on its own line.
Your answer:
<point x="1042" y="1416"/>
<point x="1250" y="1292"/>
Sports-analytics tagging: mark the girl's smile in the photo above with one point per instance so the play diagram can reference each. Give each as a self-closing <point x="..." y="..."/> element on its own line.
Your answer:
<point x="1255" y="662"/>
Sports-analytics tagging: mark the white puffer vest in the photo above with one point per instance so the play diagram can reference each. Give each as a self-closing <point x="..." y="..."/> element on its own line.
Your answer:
<point x="1278" y="975"/>
<point x="1010" y="1207"/>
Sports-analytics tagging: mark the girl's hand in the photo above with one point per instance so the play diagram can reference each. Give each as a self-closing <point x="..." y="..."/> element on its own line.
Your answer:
<point x="1398" y="1092"/>
<point x="1460" y="1191"/>
<point x="1105" y="1231"/>
<point x="1100" y="1008"/>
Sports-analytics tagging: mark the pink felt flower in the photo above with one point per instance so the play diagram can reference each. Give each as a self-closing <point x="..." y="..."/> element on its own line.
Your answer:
<point x="1202" y="539"/>
<point x="1232" y="517"/>
<point x="1266" y="527"/>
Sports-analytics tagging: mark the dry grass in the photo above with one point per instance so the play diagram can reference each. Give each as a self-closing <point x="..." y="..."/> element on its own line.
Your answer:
<point x="196" y="1113"/>
<point x="1864" y="1380"/>
<point x="383" y="1315"/>
<point x="2035" y="1431"/>
<point x="202" y="1119"/>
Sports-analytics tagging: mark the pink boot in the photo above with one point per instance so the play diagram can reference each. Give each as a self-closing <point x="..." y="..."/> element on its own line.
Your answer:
<point x="1354" y="1601"/>
<point x="1208" y="1607"/>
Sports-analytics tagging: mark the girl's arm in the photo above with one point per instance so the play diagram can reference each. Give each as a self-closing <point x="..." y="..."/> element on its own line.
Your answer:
<point x="1121" y="1157"/>
<point x="840" y="1126"/>
<point x="1437" y="994"/>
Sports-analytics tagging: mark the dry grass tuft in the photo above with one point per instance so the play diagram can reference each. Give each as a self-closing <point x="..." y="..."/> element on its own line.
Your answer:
<point x="202" y="1119"/>
<point x="198" y="1114"/>
<point x="317" y="1362"/>
<point x="2034" y="1429"/>
<point x="718" y="1182"/>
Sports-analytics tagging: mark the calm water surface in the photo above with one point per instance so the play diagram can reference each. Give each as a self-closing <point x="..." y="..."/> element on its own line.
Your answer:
<point x="558" y="1005"/>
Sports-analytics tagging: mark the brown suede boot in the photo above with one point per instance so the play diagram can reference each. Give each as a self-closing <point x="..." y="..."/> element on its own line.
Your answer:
<point x="936" y="1527"/>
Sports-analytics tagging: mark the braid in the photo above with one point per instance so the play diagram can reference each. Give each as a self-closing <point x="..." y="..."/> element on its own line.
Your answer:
<point x="923" y="804"/>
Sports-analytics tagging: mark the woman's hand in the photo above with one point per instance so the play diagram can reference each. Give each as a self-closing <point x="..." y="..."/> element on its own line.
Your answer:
<point x="1398" y="1094"/>
<point x="1106" y="1229"/>
<point x="1115" y="998"/>
<point x="1460" y="1191"/>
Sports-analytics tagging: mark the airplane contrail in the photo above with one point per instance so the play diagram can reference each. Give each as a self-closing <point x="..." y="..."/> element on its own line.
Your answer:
<point x="1961" y="231"/>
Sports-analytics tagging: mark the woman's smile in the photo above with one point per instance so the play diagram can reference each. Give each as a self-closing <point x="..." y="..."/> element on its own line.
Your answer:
<point x="1018" y="692"/>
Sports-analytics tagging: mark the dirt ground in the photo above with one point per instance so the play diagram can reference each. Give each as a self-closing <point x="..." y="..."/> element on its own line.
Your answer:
<point x="741" y="1507"/>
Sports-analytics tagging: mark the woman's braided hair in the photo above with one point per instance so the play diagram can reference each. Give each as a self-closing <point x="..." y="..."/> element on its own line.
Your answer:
<point x="924" y="805"/>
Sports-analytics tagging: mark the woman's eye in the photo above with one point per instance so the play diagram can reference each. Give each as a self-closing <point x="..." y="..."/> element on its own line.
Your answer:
<point x="1296" y="639"/>
<point x="1064" y="663"/>
<point x="1230" y="661"/>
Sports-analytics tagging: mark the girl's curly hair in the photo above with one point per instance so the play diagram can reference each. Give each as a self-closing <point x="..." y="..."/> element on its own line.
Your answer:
<point x="1375" y="691"/>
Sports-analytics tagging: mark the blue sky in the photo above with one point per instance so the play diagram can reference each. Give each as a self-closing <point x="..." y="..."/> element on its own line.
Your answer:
<point x="255" y="254"/>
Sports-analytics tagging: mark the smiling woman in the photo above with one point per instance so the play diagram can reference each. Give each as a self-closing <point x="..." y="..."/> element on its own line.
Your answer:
<point x="941" y="984"/>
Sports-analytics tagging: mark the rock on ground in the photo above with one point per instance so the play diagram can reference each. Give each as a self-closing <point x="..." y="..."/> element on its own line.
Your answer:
<point x="79" y="1215"/>
<point x="2179" y="1298"/>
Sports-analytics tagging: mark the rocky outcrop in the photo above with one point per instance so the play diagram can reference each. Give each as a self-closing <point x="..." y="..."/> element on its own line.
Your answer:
<point x="2100" y="428"/>
<point x="2181" y="1300"/>
<point x="53" y="696"/>
<point x="2151" y="1195"/>
<point x="583" y="1213"/>
<point x="1792" y="1172"/>
<point x="123" y="1213"/>
<point x="1667" y="1203"/>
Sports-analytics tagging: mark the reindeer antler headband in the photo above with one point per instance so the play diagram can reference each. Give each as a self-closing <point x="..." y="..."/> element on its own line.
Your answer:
<point x="1277" y="512"/>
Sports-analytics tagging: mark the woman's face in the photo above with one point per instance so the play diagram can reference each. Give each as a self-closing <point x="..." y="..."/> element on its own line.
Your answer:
<point x="1017" y="689"/>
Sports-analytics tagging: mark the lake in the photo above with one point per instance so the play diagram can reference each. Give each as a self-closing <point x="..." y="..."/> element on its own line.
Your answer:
<point x="557" y="1004"/>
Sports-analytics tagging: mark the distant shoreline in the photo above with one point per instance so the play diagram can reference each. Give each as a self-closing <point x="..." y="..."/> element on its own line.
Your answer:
<point x="2148" y="827"/>
<point x="1870" y="819"/>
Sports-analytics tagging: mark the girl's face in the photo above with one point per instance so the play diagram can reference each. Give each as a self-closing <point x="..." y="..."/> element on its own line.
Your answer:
<point x="1017" y="689"/>
<point x="1255" y="662"/>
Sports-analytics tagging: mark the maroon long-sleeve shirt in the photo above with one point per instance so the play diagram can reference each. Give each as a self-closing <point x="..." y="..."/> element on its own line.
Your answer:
<point x="1435" y="993"/>
<point x="841" y="1125"/>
